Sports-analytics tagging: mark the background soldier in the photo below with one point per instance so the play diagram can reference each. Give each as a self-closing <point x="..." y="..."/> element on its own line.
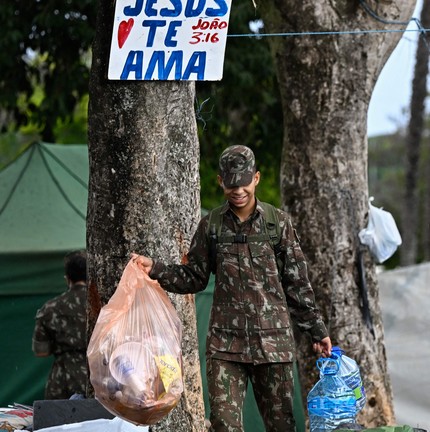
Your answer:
<point x="261" y="283"/>
<point x="60" y="330"/>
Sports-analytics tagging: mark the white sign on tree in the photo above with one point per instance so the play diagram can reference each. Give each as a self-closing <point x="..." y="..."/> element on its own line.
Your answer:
<point x="169" y="40"/>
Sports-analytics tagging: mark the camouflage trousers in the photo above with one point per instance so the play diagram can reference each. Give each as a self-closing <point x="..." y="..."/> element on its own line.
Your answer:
<point x="273" y="388"/>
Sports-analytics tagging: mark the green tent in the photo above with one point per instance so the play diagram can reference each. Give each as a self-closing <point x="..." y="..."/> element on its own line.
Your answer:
<point x="43" y="201"/>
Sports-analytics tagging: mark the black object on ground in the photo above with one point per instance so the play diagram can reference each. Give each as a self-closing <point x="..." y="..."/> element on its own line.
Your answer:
<point x="48" y="413"/>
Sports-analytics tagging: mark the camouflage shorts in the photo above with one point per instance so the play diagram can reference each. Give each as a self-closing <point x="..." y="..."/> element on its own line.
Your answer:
<point x="273" y="388"/>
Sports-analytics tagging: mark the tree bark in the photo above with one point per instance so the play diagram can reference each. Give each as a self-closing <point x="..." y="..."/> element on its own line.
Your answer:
<point x="143" y="194"/>
<point x="326" y="82"/>
<point x="426" y="205"/>
<point x="410" y="219"/>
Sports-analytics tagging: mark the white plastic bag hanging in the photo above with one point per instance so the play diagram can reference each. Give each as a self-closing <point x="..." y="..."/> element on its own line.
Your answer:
<point x="381" y="235"/>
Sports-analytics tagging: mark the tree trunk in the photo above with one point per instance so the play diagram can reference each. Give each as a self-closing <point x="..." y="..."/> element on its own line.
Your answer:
<point x="143" y="194"/>
<point x="410" y="219"/>
<point x="426" y="204"/>
<point x="326" y="82"/>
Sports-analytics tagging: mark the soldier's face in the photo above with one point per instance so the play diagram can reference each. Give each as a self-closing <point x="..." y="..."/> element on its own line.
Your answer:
<point x="241" y="197"/>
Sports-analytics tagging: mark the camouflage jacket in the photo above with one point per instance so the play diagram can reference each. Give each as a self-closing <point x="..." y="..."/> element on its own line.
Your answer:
<point x="252" y="305"/>
<point x="60" y="330"/>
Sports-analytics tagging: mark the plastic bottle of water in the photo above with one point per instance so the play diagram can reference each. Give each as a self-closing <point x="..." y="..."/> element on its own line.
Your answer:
<point x="350" y="373"/>
<point x="330" y="402"/>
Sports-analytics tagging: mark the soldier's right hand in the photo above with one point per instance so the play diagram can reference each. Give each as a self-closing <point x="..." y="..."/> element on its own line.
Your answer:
<point x="145" y="263"/>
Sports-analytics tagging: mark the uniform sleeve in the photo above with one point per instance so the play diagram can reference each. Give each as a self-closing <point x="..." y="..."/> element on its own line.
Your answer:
<point x="298" y="291"/>
<point x="42" y="342"/>
<point x="191" y="277"/>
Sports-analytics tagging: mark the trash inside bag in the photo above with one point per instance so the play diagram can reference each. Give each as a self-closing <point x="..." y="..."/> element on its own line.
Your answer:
<point x="134" y="354"/>
<point x="381" y="234"/>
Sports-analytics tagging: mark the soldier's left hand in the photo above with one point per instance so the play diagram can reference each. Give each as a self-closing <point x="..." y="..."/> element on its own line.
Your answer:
<point x="323" y="347"/>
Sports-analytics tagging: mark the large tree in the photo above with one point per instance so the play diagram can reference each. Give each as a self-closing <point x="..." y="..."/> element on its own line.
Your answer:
<point x="326" y="82"/>
<point x="143" y="194"/>
<point x="426" y="205"/>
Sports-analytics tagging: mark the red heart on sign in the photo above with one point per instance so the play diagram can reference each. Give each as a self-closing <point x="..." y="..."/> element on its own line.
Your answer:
<point x="124" y="30"/>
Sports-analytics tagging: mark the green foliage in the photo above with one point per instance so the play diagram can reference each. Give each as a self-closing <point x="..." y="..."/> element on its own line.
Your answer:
<point x="401" y="428"/>
<point x="243" y="108"/>
<point x="386" y="171"/>
<point x="12" y="144"/>
<point x="74" y="129"/>
<point x="43" y="45"/>
<point x="387" y="181"/>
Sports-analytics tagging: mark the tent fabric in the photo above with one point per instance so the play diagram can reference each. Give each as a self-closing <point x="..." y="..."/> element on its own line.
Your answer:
<point x="32" y="273"/>
<point x="43" y="200"/>
<point x="22" y="375"/>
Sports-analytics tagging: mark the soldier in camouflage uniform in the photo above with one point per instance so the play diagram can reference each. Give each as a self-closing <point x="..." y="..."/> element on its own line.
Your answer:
<point x="60" y="330"/>
<point x="250" y="333"/>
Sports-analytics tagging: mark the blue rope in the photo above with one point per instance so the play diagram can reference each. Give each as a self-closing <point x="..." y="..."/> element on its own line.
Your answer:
<point x="324" y="33"/>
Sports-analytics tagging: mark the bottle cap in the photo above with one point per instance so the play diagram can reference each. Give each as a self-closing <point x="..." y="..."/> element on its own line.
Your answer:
<point x="329" y="365"/>
<point x="337" y="350"/>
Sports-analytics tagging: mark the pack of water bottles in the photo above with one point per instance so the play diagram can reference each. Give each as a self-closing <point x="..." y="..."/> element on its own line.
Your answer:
<point x="339" y="394"/>
<point x="134" y="353"/>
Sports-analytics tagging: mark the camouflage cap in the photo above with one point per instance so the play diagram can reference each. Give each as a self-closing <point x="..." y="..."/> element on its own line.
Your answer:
<point x="237" y="166"/>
